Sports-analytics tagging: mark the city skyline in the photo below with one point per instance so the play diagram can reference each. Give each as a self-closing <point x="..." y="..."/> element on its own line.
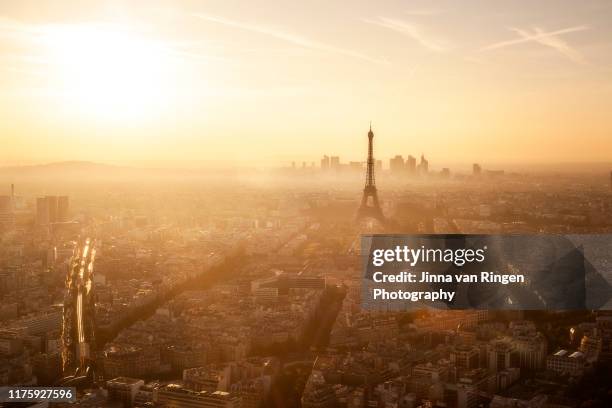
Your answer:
<point x="346" y="204"/>
<point x="178" y="83"/>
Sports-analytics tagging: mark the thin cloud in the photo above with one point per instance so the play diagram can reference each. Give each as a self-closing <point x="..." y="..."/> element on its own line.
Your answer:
<point x="549" y="39"/>
<point x="424" y="12"/>
<point x="289" y="37"/>
<point x="410" y="30"/>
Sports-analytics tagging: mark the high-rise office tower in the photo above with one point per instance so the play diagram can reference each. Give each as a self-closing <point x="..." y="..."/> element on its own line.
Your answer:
<point x="50" y="209"/>
<point x="476" y="169"/>
<point x="325" y="163"/>
<point x="424" y="165"/>
<point x="42" y="211"/>
<point x="396" y="164"/>
<point x="334" y="163"/>
<point x="52" y="203"/>
<point x="63" y="208"/>
<point x="411" y="164"/>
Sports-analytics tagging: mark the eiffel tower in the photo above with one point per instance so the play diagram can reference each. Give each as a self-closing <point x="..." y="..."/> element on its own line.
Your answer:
<point x="370" y="207"/>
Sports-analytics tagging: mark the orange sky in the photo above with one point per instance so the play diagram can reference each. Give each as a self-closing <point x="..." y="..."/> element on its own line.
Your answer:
<point x="183" y="81"/>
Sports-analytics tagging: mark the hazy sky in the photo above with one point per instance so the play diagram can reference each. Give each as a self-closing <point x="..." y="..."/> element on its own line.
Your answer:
<point x="268" y="81"/>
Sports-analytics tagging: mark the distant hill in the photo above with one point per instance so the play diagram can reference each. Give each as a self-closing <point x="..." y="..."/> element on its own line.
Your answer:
<point x="65" y="168"/>
<point x="86" y="170"/>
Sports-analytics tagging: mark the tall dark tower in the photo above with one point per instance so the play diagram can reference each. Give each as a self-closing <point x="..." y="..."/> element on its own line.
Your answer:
<point x="370" y="207"/>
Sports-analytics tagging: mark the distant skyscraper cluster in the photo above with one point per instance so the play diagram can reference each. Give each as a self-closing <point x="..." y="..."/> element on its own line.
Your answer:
<point x="51" y="209"/>
<point x="332" y="163"/>
<point x="398" y="165"/>
<point x="411" y="166"/>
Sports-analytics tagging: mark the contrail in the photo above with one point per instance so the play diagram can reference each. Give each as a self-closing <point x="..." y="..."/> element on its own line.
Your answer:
<point x="532" y="37"/>
<point x="288" y="37"/>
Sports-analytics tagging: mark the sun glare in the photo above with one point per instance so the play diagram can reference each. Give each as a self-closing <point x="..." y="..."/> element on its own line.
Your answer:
<point x="109" y="72"/>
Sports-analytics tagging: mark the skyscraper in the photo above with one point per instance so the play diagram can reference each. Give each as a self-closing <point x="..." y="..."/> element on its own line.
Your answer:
<point x="476" y="169"/>
<point x="424" y="165"/>
<point x="52" y="204"/>
<point x="42" y="211"/>
<point x="411" y="164"/>
<point x="396" y="164"/>
<point x="335" y="163"/>
<point x="50" y="209"/>
<point x="325" y="163"/>
<point x="63" y="208"/>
